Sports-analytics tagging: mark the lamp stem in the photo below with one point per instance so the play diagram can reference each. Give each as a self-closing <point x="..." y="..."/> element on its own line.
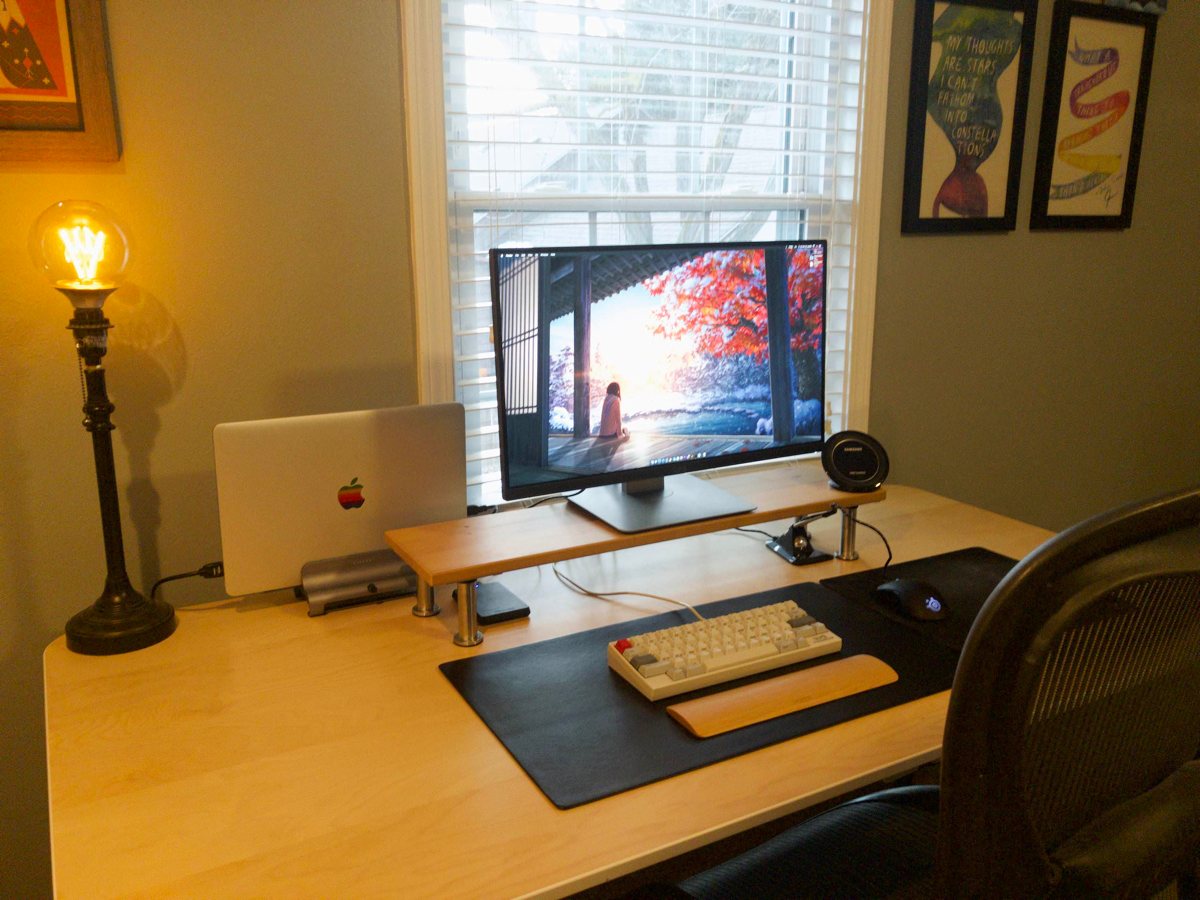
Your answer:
<point x="121" y="619"/>
<point x="98" y="411"/>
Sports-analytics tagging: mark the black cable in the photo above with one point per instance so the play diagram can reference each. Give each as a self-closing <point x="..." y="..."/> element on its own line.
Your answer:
<point x="210" y="570"/>
<point x="755" y="531"/>
<point x="801" y="521"/>
<point x="882" y="538"/>
<point x="555" y="497"/>
<point x="812" y="517"/>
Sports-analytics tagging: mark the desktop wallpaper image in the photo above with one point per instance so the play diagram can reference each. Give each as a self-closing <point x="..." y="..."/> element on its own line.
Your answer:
<point x="685" y="345"/>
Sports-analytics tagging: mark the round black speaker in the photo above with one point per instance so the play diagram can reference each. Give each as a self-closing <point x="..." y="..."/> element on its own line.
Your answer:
<point x="854" y="461"/>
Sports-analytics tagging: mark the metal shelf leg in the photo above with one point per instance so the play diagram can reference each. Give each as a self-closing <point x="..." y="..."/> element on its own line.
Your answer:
<point x="849" y="528"/>
<point x="426" y="604"/>
<point x="468" y="634"/>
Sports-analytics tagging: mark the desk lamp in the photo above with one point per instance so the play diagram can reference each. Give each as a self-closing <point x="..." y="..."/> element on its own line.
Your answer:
<point x="83" y="252"/>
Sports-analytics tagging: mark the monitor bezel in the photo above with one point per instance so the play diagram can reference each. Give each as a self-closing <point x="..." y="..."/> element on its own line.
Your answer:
<point x="597" y="479"/>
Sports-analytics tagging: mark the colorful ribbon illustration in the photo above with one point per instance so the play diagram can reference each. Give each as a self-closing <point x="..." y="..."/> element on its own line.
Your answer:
<point x="1099" y="166"/>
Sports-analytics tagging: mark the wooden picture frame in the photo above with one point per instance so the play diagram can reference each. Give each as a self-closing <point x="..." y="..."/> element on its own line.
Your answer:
<point x="1090" y="141"/>
<point x="56" y="91"/>
<point x="968" y="94"/>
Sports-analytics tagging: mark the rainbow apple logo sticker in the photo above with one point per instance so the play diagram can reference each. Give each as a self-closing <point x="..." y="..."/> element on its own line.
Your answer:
<point x="350" y="495"/>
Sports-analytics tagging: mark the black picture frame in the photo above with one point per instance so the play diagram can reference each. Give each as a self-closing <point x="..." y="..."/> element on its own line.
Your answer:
<point x="1092" y="189"/>
<point x="979" y="53"/>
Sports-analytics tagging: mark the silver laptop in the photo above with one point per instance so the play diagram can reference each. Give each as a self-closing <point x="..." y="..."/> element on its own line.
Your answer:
<point x="318" y="488"/>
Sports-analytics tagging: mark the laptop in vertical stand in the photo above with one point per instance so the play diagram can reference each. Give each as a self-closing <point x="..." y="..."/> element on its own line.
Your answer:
<point x="294" y="492"/>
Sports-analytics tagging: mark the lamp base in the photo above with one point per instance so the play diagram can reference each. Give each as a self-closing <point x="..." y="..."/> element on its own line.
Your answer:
<point x="120" y="622"/>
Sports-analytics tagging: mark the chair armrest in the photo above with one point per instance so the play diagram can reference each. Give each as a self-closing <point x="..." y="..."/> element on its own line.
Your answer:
<point x="1142" y="844"/>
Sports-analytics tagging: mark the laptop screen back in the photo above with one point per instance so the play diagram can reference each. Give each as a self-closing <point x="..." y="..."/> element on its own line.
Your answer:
<point x="294" y="490"/>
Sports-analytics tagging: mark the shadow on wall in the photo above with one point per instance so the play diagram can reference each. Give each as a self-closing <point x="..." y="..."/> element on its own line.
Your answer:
<point x="150" y="364"/>
<point x="151" y="370"/>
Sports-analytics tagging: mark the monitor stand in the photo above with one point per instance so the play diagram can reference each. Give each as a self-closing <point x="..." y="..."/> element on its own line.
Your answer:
<point x="659" y="502"/>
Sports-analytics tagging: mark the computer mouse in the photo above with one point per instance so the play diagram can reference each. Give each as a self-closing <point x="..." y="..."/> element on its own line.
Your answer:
<point x="916" y="599"/>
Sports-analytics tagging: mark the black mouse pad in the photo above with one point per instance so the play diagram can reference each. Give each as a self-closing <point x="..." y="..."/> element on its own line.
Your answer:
<point x="581" y="733"/>
<point x="963" y="578"/>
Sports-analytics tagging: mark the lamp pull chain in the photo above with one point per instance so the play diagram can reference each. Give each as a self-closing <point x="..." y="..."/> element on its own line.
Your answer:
<point x="82" y="377"/>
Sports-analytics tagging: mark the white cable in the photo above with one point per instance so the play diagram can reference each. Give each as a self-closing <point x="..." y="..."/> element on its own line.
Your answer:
<point x="580" y="589"/>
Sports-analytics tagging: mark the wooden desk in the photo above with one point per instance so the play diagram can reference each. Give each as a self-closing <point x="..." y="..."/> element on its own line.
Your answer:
<point x="262" y="752"/>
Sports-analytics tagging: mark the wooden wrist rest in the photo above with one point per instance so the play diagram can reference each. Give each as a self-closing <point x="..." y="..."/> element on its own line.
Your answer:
<point x="752" y="703"/>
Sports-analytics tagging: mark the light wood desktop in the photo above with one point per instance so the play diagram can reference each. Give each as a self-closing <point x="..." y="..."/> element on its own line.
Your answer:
<point x="262" y="752"/>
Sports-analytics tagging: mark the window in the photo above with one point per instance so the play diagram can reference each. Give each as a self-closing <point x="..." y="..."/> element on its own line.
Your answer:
<point x="573" y="122"/>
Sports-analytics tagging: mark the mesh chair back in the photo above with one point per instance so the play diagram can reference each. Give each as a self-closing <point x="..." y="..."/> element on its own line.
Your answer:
<point x="1078" y="690"/>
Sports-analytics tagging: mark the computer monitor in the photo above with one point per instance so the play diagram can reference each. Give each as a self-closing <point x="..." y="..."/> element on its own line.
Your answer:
<point x="620" y="369"/>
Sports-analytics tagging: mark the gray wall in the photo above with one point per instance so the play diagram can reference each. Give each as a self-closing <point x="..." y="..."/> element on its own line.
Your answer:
<point x="263" y="182"/>
<point x="1044" y="375"/>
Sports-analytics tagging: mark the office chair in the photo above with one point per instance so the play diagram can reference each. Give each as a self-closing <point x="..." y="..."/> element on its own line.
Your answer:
<point x="1069" y="756"/>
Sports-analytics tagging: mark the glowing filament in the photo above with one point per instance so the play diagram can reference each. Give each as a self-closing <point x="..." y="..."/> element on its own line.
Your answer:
<point x="84" y="250"/>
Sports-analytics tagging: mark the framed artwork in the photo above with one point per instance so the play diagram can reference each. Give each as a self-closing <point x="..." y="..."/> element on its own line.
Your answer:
<point x="966" y="114"/>
<point x="56" y="89"/>
<point x="1097" y="83"/>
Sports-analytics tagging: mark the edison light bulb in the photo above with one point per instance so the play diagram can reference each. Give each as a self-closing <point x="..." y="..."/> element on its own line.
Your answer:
<point x="84" y="249"/>
<point x="80" y="247"/>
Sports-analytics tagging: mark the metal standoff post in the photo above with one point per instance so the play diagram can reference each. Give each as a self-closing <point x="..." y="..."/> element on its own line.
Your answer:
<point x="849" y="527"/>
<point x="468" y="634"/>
<point x="426" y="604"/>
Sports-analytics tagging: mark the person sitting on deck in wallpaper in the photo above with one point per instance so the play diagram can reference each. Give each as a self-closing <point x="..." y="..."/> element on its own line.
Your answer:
<point x="610" y="416"/>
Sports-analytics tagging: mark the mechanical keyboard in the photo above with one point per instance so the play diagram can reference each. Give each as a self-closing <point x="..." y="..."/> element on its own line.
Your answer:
<point x="710" y="651"/>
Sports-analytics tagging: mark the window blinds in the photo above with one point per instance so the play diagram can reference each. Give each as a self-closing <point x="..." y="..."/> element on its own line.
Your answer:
<point x="583" y="122"/>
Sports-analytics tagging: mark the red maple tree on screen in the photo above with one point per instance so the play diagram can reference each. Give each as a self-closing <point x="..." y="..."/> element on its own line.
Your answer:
<point x="721" y="298"/>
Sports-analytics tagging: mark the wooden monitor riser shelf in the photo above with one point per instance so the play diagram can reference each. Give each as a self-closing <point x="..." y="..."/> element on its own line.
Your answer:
<point x="462" y="551"/>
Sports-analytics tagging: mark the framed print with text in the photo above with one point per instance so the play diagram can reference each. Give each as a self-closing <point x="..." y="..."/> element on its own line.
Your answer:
<point x="1093" y="114"/>
<point x="56" y="89"/>
<point x="966" y="114"/>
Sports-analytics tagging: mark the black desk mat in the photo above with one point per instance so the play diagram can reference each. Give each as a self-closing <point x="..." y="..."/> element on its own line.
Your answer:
<point x="963" y="578"/>
<point x="581" y="733"/>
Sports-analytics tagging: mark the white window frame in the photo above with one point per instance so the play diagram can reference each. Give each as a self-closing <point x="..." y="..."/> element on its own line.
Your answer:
<point x="421" y="71"/>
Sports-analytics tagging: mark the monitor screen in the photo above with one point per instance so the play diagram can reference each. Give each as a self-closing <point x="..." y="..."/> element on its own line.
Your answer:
<point x="617" y="364"/>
